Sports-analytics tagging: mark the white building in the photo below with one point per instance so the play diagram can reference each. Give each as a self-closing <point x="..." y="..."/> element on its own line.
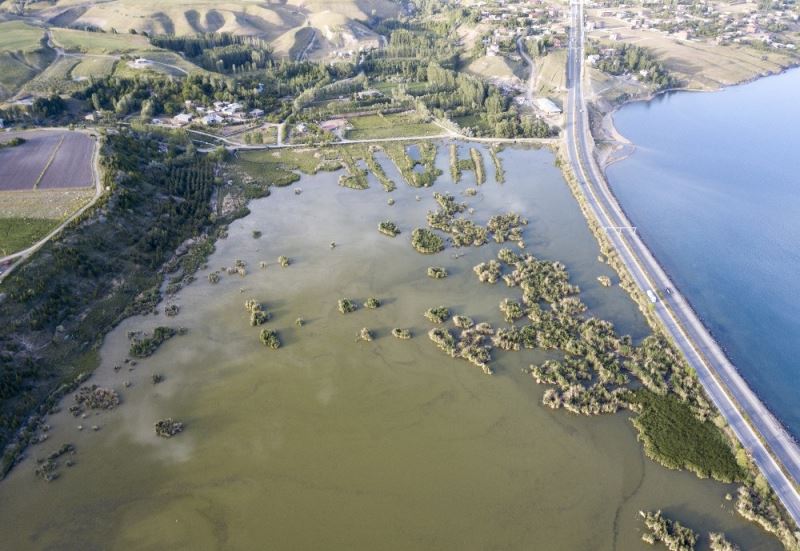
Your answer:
<point x="141" y="63"/>
<point x="212" y="118"/>
<point x="183" y="118"/>
<point x="547" y="105"/>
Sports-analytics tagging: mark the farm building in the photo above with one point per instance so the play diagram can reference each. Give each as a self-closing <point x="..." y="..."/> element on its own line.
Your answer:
<point x="183" y="118"/>
<point x="334" y="125"/>
<point x="212" y="118"/>
<point x="547" y="105"/>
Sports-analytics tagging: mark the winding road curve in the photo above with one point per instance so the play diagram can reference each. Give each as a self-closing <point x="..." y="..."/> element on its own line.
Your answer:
<point x="772" y="448"/>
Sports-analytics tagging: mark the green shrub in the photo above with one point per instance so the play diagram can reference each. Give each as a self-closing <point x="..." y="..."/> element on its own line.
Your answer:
<point x="426" y="242"/>
<point x="269" y="338"/>
<point x="674" y="437"/>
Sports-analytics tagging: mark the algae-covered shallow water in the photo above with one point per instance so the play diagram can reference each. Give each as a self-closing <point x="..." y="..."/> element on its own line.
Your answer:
<point x="329" y="443"/>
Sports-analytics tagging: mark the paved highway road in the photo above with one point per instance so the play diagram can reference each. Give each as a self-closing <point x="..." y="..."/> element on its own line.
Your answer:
<point x="772" y="448"/>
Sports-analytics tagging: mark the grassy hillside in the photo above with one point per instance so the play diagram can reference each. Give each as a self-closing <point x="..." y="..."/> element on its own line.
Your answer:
<point x="293" y="43"/>
<point x="23" y="55"/>
<point x="551" y="73"/>
<point x="496" y="67"/>
<point x="290" y="23"/>
<point x="16" y="36"/>
<point x="182" y="17"/>
<point x="55" y="79"/>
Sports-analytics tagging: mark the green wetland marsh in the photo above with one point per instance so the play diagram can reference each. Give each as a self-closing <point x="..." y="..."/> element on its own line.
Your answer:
<point x="336" y="442"/>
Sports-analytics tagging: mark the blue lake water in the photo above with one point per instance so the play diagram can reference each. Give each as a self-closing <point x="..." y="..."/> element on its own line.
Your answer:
<point x="714" y="187"/>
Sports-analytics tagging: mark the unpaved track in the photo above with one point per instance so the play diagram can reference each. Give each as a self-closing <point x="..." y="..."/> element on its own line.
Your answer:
<point x="531" y="83"/>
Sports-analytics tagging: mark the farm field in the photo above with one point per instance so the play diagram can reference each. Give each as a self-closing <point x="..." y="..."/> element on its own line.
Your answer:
<point x="267" y="134"/>
<point x="27" y="216"/>
<point x="93" y="66"/>
<point x="16" y="36"/>
<point x="17" y="234"/>
<point x="411" y="87"/>
<point x="99" y="43"/>
<point x="54" y="204"/>
<point x="47" y="160"/>
<point x="386" y="126"/>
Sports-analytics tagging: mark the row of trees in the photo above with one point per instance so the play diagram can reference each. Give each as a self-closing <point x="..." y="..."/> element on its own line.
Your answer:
<point x="220" y="52"/>
<point x="41" y="109"/>
<point x="194" y="46"/>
